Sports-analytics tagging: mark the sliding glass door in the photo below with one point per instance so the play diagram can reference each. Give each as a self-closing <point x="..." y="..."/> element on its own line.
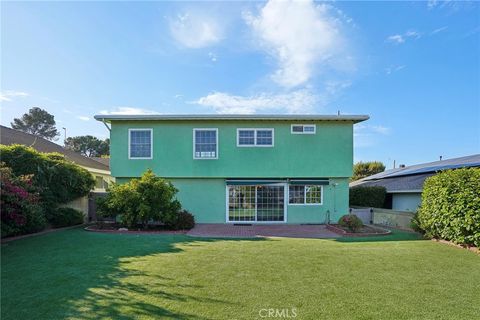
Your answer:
<point x="256" y="203"/>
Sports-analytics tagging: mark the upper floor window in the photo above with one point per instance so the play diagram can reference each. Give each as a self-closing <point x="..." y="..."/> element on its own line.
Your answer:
<point x="303" y="128"/>
<point x="205" y="143"/>
<point x="255" y="137"/>
<point x="305" y="194"/>
<point x="140" y="144"/>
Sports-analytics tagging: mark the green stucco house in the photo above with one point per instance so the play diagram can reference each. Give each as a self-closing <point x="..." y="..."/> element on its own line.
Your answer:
<point x="242" y="168"/>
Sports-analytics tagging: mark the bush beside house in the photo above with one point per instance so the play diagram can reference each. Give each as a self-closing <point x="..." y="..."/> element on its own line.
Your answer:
<point x="34" y="185"/>
<point x="140" y="202"/>
<point x="450" y="206"/>
<point x="368" y="196"/>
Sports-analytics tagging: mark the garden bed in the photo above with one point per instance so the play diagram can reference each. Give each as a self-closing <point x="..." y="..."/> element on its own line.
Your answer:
<point x="366" y="230"/>
<point x="113" y="228"/>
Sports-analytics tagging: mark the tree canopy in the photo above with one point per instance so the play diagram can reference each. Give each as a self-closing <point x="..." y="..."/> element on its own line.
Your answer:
<point x="37" y="122"/>
<point x="89" y="146"/>
<point x="365" y="169"/>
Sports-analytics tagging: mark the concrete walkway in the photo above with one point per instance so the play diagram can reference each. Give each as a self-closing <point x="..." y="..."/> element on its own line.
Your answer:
<point x="262" y="230"/>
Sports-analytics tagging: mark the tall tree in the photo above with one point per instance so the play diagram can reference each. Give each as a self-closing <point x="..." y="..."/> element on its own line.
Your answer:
<point x="365" y="169"/>
<point x="89" y="146"/>
<point x="37" y="122"/>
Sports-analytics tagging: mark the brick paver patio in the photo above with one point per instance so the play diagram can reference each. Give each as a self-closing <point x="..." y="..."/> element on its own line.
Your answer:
<point x="271" y="230"/>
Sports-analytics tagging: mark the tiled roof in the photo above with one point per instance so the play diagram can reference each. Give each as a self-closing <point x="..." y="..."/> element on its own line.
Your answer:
<point x="10" y="136"/>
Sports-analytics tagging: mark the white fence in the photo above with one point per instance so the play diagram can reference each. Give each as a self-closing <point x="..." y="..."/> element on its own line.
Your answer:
<point x="386" y="217"/>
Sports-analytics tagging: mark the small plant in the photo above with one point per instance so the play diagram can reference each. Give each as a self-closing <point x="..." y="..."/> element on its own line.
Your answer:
<point x="65" y="217"/>
<point x="142" y="201"/>
<point x="351" y="222"/>
<point x="183" y="221"/>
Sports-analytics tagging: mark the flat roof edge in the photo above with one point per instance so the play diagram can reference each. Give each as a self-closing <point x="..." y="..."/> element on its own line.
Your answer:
<point x="167" y="117"/>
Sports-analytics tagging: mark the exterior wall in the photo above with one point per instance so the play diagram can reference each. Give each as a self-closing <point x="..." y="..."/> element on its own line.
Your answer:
<point x="328" y="153"/>
<point x="80" y="204"/>
<point x="392" y="218"/>
<point x="206" y="199"/>
<point x="406" y="201"/>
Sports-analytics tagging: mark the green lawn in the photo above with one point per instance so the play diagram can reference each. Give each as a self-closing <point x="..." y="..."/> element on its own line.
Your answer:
<point x="76" y="274"/>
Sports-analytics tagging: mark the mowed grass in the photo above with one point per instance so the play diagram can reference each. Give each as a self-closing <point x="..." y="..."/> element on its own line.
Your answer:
<point x="75" y="274"/>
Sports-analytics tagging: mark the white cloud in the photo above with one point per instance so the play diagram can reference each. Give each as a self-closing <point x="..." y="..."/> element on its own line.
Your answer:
<point x="83" y="118"/>
<point x="300" y="101"/>
<point x="402" y="38"/>
<point x="396" y="38"/>
<point x="301" y="35"/>
<point x="212" y="56"/>
<point x="127" y="111"/>
<point x="10" y="94"/>
<point x="439" y="30"/>
<point x="195" y="29"/>
<point x="368" y="135"/>
<point x="394" y="68"/>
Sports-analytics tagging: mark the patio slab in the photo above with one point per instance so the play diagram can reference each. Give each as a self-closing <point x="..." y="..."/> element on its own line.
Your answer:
<point x="262" y="230"/>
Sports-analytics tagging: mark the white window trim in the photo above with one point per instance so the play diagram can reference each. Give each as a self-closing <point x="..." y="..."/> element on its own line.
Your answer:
<point x="305" y="196"/>
<point x="151" y="143"/>
<point x="285" y="203"/>
<point x="216" y="142"/>
<point x="303" y="132"/>
<point x="255" y="145"/>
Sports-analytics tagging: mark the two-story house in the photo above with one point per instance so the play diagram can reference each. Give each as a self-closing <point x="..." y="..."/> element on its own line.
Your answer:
<point x="242" y="168"/>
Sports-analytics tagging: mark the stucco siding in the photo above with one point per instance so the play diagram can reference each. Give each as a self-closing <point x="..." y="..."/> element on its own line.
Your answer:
<point x="206" y="199"/>
<point x="328" y="153"/>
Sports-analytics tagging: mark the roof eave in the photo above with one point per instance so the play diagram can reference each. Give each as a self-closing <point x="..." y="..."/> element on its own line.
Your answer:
<point x="232" y="117"/>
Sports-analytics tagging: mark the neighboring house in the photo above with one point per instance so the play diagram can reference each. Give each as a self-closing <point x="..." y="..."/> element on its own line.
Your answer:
<point x="100" y="171"/>
<point x="404" y="185"/>
<point x="242" y="168"/>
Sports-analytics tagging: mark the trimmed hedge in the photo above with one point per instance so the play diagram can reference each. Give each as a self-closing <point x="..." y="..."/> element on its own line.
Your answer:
<point x="450" y="206"/>
<point x="65" y="217"/>
<point x="368" y="196"/>
<point x="57" y="179"/>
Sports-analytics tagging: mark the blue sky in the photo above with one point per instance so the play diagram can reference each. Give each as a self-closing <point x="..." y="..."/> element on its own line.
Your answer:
<point x="414" y="67"/>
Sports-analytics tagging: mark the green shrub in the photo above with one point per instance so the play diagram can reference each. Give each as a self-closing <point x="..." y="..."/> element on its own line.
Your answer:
<point x="184" y="220"/>
<point x="351" y="222"/>
<point x="57" y="179"/>
<point x="141" y="201"/>
<point x="20" y="211"/>
<point x="368" y="196"/>
<point x="65" y="217"/>
<point x="450" y="206"/>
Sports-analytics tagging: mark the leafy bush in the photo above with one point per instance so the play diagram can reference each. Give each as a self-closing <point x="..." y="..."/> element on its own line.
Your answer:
<point x="141" y="201"/>
<point x="19" y="209"/>
<point x="65" y="217"/>
<point x="184" y="220"/>
<point x="57" y="179"/>
<point x="351" y="222"/>
<point x="450" y="206"/>
<point x="368" y="196"/>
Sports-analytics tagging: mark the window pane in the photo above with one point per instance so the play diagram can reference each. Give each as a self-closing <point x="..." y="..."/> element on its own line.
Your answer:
<point x="297" y="128"/>
<point x="264" y="137"/>
<point x="314" y="194"/>
<point x="205" y="143"/>
<point x="246" y="137"/>
<point x="140" y="143"/>
<point x="296" y="194"/>
<point x="309" y="129"/>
